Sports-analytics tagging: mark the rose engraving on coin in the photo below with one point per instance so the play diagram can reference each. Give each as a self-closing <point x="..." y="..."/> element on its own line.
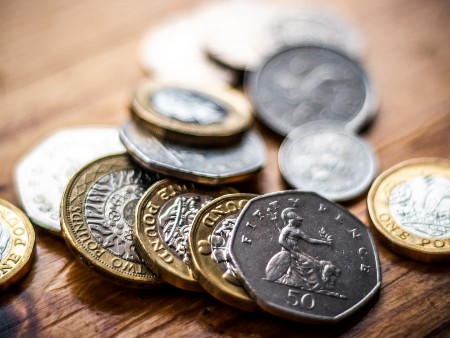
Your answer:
<point x="5" y="240"/>
<point x="304" y="257"/>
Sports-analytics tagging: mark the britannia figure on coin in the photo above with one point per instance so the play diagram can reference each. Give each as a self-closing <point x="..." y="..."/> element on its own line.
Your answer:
<point x="292" y="266"/>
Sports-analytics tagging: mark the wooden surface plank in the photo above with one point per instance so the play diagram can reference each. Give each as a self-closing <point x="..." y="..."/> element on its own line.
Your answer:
<point x="75" y="63"/>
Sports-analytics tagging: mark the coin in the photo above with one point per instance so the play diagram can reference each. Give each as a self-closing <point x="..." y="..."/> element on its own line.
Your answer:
<point x="97" y="212"/>
<point x="208" y="239"/>
<point x="161" y="227"/>
<point x="42" y="174"/>
<point x="303" y="257"/>
<point x="324" y="157"/>
<point x="192" y="115"/>
<point x="16" y="244"/>
<point x="172" y="51"/>
<point x="409" y="205"/>
<point x="198" y="164"/>
<point x="307" y="83"/>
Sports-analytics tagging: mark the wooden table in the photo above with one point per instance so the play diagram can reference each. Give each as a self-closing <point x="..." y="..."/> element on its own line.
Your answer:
<point x="75" y="62"/>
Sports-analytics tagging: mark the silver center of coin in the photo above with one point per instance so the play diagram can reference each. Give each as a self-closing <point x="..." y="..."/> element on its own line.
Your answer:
<point x="175" y="221"/>
<point x="219" y="239"/>
<point x="422" y="206"/>
<point x="5" y="240"/>
<point x="109" y="210"/>
<point x="188" y="106"/>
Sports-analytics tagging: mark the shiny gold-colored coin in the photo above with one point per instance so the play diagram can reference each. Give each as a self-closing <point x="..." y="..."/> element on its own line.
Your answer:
<point x="161" y="228"/>
<point x="16" y="244"/>
<point x="97" y="211"/>
<point x="208" y="239"/>
<point x="195" y="115"/>
<point x="409" y="206"/>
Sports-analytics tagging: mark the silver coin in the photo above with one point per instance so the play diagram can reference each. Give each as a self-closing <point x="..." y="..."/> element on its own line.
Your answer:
<point x="309" y="83"/>
<point x="305" y="258"/>
<point x="203" y="165"/>
<point x="326" y="158"/>
<point x="42" y="175"/>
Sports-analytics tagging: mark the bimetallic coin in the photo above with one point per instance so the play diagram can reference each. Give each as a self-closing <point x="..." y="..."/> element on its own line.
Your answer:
<point x="303" y="257"/>
<point x="42" y="175"/>
<point x="326" y="158"/>
<point x="308" y="83"/>
<point x="97" y="212"/>
<point x="208" y="240"/>
<point x="161" y="228"/>
<point x="16" y="244"/>
<point x="409" y="205"/>
<point x="192" y="115"/>
<point x="203" y="165"/>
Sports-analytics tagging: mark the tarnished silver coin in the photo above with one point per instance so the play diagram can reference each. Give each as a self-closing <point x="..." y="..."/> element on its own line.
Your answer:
<point x="326" y="158"/>
<point x="309" y="83"/>
<point x="203" y="165"/>
<point x="305" y="258"/>
<point x="42" y="175"/>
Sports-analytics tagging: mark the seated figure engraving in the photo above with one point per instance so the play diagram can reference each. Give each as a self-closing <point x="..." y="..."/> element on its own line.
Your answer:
<point x="292" y="266"/>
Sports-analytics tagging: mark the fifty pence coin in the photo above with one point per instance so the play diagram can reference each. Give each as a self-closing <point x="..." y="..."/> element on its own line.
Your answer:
<point x="204" y="165"/>
<point x="161" y="227"/>
<point x="192" y="115"/>
<point x="42" y="175"/>
<point x="303" y="257"/>
<point x="17" y="240"/>
<point x="409" y="205"/>
<point x="308" y="83"/>
<point x="325" y="157"/>
<point x="208" y="240"/>
<point x="97" y="212"/>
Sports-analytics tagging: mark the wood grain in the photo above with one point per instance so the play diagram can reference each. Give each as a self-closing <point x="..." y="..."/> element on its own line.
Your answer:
<point x="75" y="62"/>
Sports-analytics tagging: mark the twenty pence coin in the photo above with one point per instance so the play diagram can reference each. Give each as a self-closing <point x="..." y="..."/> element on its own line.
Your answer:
<point x="409" y="206"/>
<point x="161" y="228"/>
<point x="17" y="240"/>
<point x="96" y="215"/>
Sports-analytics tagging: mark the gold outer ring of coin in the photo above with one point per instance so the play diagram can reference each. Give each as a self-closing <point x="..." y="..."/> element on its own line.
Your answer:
<point x="16" y="262"/>
<point x="155" y="252"/>
<point x="396" y="236"/>
<point x="208" y="272"/>
<point x="228" y="131"/>
<point x="79" y="238"/>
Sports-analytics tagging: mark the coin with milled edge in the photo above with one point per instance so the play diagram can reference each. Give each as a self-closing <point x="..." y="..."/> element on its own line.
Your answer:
<point x="42" y="175"/>
<point x="16" y="244"/>
<point x="208" y="240"/>
<point x="409" y="205"/>
<point x="303" y="257"/>
<point x="308" y="83"/>
<point x="97" y="212"/>
<point x="161" y="227"/>
<point x="325" y="157"/>
<point x="192" y="115"/>
<point x="204" y="165"/>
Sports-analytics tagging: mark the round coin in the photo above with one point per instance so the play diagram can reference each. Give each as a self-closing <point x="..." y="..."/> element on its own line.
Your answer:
<point x="325" y="157"/>
<point x="308" y="83"/>
<point x="192" y="115"/>
<point x="16" y="244"/>
<point x="42" y="175"/>
<point x="303" y="257"/>
<point x="208" y="240"/>
<point x="409" y="205"/>
<point x="198" y="164"/>
<point x="97" y="212"/>
<point x="161" y="228"/>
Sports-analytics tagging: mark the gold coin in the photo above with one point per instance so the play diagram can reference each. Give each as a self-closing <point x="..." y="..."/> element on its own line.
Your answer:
<point x="163" y="220"/>
<point x="16" y="244"/>
<point x="409" y="205"/>
<point x="208" y="239"/>
<point x="97" y="212"/>
<point x="192" y="115"/>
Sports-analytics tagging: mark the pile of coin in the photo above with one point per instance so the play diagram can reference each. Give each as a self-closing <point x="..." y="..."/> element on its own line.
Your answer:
<point x="145" y="206"/>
